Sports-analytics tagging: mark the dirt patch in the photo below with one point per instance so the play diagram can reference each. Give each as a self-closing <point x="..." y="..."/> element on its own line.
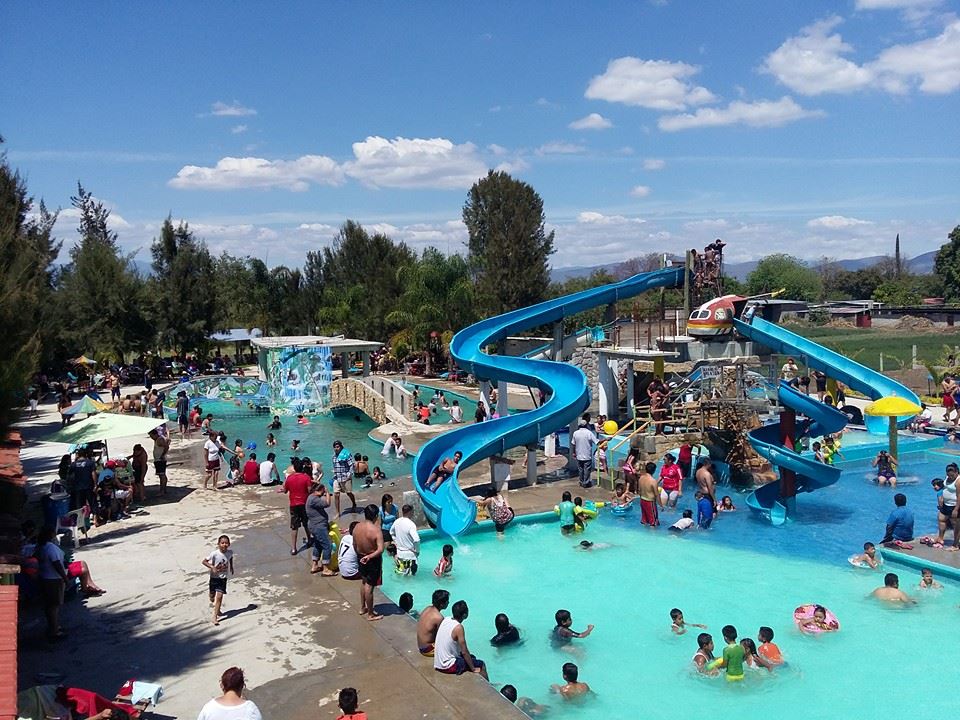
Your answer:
<point x="915" y="379"/>
<point x="916" y="324"/>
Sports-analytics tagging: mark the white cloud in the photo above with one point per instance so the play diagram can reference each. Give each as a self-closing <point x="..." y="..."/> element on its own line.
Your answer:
<point x="933" y="65"/>
<point x="250" y="172"/>
<point x="654" y="164"/>
<point x="543" y="102"/>
<point x="497" y="149"/>
<point x="593" y="121"/>
<point x="595" y="218"/>
<point x="512" y="167"/>
<point x="711" y="224"/>
<point x="560" y="148"/>
<point x="894" y="4"/>
<point x="762" y="113"/>
<point x="233" y="109"/>
<point x="415" y="163"/>
<point x="238" y="129"/>
<point x="836" y="222"/>
<point x="656" y="84"/>
<point x="640" y="191"/>
<point x="813" y="63"/>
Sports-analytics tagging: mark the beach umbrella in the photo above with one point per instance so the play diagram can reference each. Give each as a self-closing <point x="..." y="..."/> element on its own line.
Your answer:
<point x="892" y="407"/>
<point x="84" y="360"/>
<point x="87" y="405"/>
<point x="102" y="427"/>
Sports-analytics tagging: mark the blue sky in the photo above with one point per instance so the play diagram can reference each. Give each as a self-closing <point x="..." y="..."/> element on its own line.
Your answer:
<point x="816" y="128"/>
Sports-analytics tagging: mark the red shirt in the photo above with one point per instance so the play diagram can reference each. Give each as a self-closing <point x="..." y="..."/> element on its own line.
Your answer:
<point x="297" y="486"/>
<point x="251" y="472"/>
<point x="670" y="477"/>
<point x="686" y="453"/>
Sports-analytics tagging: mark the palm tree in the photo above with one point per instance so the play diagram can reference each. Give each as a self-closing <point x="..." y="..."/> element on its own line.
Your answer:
<point x="437" y="298"/>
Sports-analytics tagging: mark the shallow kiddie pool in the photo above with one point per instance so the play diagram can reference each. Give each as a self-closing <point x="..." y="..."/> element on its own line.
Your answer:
<point x="878" y="665"/>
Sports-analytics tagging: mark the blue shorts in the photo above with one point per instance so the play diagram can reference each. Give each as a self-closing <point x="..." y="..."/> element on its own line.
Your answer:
<point x="459" y="666"/>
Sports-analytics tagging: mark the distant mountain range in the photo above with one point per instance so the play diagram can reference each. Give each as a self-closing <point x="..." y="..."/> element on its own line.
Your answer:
<point x="921" y="265"/>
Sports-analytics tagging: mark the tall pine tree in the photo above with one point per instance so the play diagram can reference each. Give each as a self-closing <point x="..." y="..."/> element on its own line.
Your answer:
<point x="509" y="249"/>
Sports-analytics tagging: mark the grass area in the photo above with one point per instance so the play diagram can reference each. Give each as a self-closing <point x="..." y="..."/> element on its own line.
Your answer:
<point x="865" y="345"/>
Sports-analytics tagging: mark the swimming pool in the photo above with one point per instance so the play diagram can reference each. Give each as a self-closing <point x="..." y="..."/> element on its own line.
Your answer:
<point x="348" y="425"/>
<point x="439" y="415"/>
<point x="743" y="572"/>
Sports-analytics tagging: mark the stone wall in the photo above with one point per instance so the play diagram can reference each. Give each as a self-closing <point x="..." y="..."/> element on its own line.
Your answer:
<point x="587" y="359"/>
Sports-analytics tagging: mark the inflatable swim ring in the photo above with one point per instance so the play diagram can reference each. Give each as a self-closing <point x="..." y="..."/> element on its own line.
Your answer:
<point x="334" y="535"/>
<point x="622" y="509"/>
<point x="805" y="612"/>
<point x="859" y="564"/>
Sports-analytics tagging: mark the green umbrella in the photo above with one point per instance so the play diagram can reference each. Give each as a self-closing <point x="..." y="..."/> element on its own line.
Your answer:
<point x="87" y="405"/>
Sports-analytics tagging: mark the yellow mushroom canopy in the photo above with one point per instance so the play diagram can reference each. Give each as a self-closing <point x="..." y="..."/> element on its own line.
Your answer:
<point x="892" y="406"/>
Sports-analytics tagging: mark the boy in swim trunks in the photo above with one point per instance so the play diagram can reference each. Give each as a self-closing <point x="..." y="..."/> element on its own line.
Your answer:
<point x="768" y="649"/>
<point x="562" y="634"/>
<point x="678" y="626"/>
<point x="649" y="493"/>
<point x="733" y="655"/>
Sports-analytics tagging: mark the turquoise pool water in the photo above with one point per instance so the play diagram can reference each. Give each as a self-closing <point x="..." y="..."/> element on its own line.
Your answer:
<point x="440" y="415"/>
<point x="349" y="426"/>
<point x="882" y="663"/>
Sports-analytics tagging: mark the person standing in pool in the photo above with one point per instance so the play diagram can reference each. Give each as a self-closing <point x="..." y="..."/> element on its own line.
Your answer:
<point x="671" y="479"/>
<point x="703" y="658"/>
<point x="568" y="520"/>
<point x="572" y="687"/>
<point x="507" y="634"/>
<point x="891" y="592"/>
<point x="650" y="499"/>
<point x="343" y="467"/>
<point x="733" y="655"/>
<point x="705" y="480"/>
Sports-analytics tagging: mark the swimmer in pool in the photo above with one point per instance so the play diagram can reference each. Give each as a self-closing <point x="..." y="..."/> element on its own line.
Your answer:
<point x="868" y="558"/>
<point x="562" y="633"/>
<point x="588" y="545"/>
<point x="679" y="626"/>
<point x="891" y="592"/>
<point x="704" y="655"/>
<point x="571" y="688"/>
<point x="927" y="582"/>
<point x="733" y="655"/>
<point x="768" y="650"/>
<point x="752" y="659"/>
<point x="886" y="465"/>
<point x="621" y="496"/>
<point x="818" y="623"/>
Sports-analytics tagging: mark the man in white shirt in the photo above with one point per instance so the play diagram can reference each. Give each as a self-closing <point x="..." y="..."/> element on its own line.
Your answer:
<point x="407" y="541"/>
<point x="269" y="475"/>
<point x="789" y="371"/>
<point x="212" y="449"/>
<point x="582" y="445"/>
<point x="456" y="412"/>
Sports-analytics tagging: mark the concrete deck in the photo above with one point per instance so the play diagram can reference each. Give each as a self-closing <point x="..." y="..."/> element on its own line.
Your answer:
<point x="297" y="636"/>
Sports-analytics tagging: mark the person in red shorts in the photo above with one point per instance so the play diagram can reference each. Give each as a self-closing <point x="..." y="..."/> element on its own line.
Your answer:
<point x="297" y="486"/>
<point x="649" y="496"/>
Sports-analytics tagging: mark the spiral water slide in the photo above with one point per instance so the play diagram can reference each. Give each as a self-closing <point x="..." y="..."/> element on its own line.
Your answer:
<point x="566" y="386"/>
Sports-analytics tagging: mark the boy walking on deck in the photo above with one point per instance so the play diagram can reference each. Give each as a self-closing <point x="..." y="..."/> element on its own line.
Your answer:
<point x="219" y="562"/>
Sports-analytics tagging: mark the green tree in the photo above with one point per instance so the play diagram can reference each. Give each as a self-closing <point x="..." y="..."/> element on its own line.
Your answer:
<point x="898" y="292"/>
<point x="732" y="286"/>
<point x="783" y="271"/>
<point x="182" y="288"/>
<point x="102" y="296"/>
<point x="27" y="251"/>
<point x="437" y="300"/>
<point x="587" y="318"/>
<point x="947" y="266"/>
<point x="360" y="282"/>
<point x="509" y="249"/>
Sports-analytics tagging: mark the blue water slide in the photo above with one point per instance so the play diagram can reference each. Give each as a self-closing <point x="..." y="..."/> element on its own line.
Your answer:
<point x="810" y="474"/>
<point x="448" y="508"/>
<point x="871" y="383"/>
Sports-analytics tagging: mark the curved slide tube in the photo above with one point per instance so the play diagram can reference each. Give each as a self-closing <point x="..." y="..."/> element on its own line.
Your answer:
<point x="871" y="383"/>
<point x="566" y="385"/>
<point x="810" y="474"/>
